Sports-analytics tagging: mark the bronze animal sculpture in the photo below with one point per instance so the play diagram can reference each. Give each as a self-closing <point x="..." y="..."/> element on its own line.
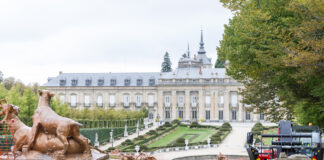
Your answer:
<point x="44" y="143"/>
<point x="46" y="119"/>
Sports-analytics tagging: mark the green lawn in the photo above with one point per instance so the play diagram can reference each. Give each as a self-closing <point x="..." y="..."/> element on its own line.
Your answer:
<point x="203" y="133"/>
<point x="267" y="141"/>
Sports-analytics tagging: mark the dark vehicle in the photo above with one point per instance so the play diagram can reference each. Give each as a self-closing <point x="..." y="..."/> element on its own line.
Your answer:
<point x="290" y="139"/>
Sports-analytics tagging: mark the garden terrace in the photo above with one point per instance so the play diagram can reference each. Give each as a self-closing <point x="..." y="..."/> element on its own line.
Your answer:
<point x="174" y="135"/>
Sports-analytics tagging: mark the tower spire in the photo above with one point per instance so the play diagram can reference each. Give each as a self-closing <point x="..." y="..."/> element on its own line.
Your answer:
<point x="201" y="48"/>
<point x="188" y="51"/>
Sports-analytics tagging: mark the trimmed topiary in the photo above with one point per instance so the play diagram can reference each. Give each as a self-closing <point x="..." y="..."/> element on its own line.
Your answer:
<point x="167" y="124"/>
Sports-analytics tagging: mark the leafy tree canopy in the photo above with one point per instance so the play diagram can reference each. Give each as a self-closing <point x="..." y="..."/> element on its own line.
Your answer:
<point x="275" y="49"/>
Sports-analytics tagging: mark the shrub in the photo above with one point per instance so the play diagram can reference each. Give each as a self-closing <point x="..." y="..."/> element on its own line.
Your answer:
<point x="167" y="124"/>
<point x="139" y="138"/>
<point x="257" y="128"/>
<point x="111" y="149"/>
<point x="152" y="132"/>
<point x="194" y="125"/>
<point x="176" y="121"/>
<point x="127" y="142"/>
<point x="180" y="142"/>
<point x="161" y="128"/>
<point x="143" y="148"/>
<point x="226" y="125"/>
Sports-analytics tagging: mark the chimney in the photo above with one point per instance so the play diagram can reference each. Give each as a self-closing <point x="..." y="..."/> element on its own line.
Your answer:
<point x="195" y="57"/>
<point x="60" y="72"/>
<point x="200" y="70"/>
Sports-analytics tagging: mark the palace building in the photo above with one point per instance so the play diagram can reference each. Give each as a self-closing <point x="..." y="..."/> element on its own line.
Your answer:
<point x="194" y="91"/>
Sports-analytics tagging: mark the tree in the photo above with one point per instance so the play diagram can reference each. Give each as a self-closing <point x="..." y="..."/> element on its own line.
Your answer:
<point x="219" y="63"/>
<point x="166" y="65"/>
<point x="9" y="82"/>
<point x="275" y="49"/>
<point x="1" y="77"/>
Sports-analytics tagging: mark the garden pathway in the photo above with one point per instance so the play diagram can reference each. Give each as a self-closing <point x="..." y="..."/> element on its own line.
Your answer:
<point x="134" y="135"/>
<point x="233" y="144"/>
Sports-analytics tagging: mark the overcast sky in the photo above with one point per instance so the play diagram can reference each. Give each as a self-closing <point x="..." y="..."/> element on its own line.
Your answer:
<point x="40" y="38"/>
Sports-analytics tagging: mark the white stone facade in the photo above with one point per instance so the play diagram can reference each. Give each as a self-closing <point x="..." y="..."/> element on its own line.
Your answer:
<point x="193" y="92"/>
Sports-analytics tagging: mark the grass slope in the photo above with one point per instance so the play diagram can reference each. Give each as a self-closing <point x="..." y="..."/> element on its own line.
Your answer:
<point x="204" y="133"/>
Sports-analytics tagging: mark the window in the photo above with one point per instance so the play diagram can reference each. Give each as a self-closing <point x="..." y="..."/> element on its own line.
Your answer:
<point x="261" y="116"/>
<point x="86" y="100"/>
<point x="221" y="100"/>
<point x="180" y="101"/>
<point x="138" y="100"/>
<point x="180" y="114"/>
<point x="101" y="82"/>
<point x="99" y="101"/>
<point x="247" y="115"/>
<point x="73" y="100"/>
<point x="150" y="100"/>
<point x="127" y="82"/>
<point x="194" y="101"/>
<point x="234" y="115"/>
<point x="62" y="82"/>
<point x="74" y="82"/>
<point x="113" y="82"/>
<point x="234" y="99"/>
<point x="152" y="82"/>
<point x="221" y="80"/>
<point x="62" y="99"/>
<point x="194" y="114"/>
<point x="88" y="82"/>
<point x="220" y="115"/>
<point x="167" y="114"/>
<point x="167" y="101"/>
<point x="151" y="116"/>
<point x="126" y="100"/>
<point x="112" y="100"/>
<point x="139" y="82"/>
<point x="207" y="101"/>
<point x="208" y="115"/>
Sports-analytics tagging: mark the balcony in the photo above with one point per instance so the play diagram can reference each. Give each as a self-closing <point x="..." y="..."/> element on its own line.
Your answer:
<point x="180" y="104"/>
<point x="194" y="104"/>
<point x="220" y="104"/>
<point x="167" y="104"/>
<point x="139" y="105"/>
<point x="233" y="105"/>
<point x="86" y="104"/>
<point x="99" y="105"/>
<point x="207" y="105"/>
<point x="111" y="105"/>
<point x="125" y="105"/>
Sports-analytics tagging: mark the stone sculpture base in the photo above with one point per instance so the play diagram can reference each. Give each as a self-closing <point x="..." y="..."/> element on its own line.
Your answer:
<point x="56" y="156"/>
